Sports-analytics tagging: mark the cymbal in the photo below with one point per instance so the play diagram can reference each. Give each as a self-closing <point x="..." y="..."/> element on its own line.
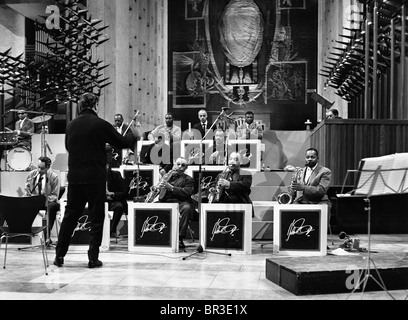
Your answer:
<point x="41" y="119"/>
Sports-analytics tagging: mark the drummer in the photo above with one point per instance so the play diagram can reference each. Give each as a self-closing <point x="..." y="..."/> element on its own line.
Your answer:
<point x="24" y="129"/>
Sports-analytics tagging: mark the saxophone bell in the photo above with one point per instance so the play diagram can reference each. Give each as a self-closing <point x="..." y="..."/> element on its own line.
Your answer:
<point x="289" y="196"/>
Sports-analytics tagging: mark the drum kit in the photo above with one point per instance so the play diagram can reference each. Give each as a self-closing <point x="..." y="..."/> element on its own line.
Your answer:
<point x="19" y="158"/>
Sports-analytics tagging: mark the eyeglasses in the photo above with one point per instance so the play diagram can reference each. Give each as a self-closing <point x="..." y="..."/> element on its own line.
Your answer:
<point x="181" y="164"/>
<point x="21" y="114"/>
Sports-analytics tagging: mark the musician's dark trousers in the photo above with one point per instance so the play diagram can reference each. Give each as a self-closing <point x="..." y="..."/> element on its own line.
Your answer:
<point x="118" y="210"/>
<point x="78" y="196"/>
<point x="186" y="214"/>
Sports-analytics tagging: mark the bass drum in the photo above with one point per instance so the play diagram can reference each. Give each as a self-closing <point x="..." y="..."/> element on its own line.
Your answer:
<point x="19" y="159"/>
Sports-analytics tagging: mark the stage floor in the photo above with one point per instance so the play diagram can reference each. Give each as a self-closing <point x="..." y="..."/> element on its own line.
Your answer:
<point x="340" y="271"/>
<point x="205" y="276"/>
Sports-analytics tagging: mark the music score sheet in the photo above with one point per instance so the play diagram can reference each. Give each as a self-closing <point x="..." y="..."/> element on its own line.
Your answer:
<point x="392" y="178"/>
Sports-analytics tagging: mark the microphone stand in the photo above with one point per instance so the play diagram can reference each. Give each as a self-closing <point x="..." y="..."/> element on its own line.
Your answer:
<point x="200" y="176"/>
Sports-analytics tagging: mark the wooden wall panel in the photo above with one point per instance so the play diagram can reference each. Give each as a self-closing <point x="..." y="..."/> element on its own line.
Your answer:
<point x="135" y="52"/>
<point x="343" y="143"/>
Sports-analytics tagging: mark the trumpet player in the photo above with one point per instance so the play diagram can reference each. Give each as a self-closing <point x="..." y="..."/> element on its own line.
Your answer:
<point x="312" y="186"/>
<point x="178" y="188"/>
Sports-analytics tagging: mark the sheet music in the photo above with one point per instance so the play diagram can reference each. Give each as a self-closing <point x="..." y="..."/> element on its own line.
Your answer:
<point x="393" y="177"/>
<point x="398" y="179"/>
<point x="370" y="165"/>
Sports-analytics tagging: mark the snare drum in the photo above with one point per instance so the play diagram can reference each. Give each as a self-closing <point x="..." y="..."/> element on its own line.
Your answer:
<point x="19" y="159"/>
<point x="8" y="138"/>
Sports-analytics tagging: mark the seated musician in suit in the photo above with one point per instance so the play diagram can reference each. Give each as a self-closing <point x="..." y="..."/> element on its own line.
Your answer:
<point x="115" y="193"/>
<point x="44" y="180"/>
<point x="203" y="126"/>
<point x="217" y="153"/>
<point x="314" y="181"/>
<point x="24" y="129"/>
<point x="234" y="184"/>
<point x="250" y="129"/>
<point x="178" y="187"/>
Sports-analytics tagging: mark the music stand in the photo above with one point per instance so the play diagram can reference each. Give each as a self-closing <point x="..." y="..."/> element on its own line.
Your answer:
<point x="364" y="278"/>
<point x="200" y="176"/>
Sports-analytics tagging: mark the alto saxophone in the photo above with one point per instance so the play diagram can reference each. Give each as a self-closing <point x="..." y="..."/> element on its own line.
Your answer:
<point x="156" y="190"/>
<point x="214" y="194"/>
<point x="289" y="196"/>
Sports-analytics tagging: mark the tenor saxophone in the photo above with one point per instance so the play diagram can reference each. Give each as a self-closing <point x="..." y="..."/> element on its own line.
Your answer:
<point x="214" y="194"/>
<point x="155" y="190"/>
<point x="289" y="196"/>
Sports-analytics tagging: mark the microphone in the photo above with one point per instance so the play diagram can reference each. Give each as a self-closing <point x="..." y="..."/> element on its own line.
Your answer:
<point x="225" y="108"/>
<point x="200" y="249"/>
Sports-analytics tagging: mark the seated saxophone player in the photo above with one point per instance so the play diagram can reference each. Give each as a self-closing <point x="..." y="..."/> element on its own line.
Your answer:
<point x="313" y="182"/>
<point x="234" y="184"/>
<point x="177" y="187"/>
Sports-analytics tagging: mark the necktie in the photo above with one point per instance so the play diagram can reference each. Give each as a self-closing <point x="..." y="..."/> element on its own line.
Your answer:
<point x="204" y="127"/>
<point x="307" y="175"/>
<point x="40" y="184"/>
<point x="170" y="137"/>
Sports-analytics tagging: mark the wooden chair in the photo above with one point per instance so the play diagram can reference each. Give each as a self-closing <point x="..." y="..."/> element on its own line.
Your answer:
<point x="18" y="215"/>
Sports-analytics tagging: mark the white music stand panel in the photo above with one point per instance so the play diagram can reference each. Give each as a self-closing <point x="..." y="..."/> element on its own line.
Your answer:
<point x="190" y="149"/>
<point x="142" y="177"/>
<point x="226" y="228"/>
<point x="300" y="230"/>
<point x="153" y="227"/>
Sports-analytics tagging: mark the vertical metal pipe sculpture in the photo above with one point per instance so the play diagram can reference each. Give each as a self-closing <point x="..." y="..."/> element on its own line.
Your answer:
<point x="392" y="72"/>
<point x="402" y="77"/>
<point x="375" y="61"/>
<point x="367" y="114"/>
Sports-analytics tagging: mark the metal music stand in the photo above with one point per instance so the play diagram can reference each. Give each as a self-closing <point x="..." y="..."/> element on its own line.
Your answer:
<point x="200" y="176"/>
<point x="364" y="278"/>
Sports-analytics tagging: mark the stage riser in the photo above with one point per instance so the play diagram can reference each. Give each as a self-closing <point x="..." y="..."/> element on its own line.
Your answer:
<point x="331" y="282"/>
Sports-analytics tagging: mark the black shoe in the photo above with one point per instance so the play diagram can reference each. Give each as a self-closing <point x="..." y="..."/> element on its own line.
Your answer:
<point x="59" y="262"/>
<point x="181" y="244"/>
<point x="94" y="264"/>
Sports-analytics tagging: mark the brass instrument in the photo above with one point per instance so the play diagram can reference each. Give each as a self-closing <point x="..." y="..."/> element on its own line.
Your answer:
<point x="156" y="190"/>
<point x="289" y="196"/>
<point x="214" y="194"/>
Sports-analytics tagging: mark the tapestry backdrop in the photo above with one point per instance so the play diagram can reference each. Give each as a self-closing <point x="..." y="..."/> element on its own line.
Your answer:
<point x="257" y="55"/>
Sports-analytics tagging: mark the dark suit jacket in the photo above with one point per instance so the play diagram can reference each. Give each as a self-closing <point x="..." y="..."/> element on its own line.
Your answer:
<point x="199" y="127"/>
<point x="316" y="188"/>
<point x="183" y="189"/>
<point x="85" y="140"/>
<point x="26" y="132"/>
<point x="117" y="185"/>
<point x="240" y="188"/>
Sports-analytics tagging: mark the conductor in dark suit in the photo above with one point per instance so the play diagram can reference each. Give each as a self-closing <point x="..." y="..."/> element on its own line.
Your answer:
<point x="115" y="192"/>
<point x="178" y="189"/>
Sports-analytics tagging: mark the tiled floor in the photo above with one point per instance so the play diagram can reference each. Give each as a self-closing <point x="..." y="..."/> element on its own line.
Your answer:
<point x="134" y="276"/>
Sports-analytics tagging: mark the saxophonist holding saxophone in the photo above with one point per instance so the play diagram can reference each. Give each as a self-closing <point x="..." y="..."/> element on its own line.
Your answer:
<point x="178" y="187"/>
<point x="312" y="186"/>
<point x="234" y="184"/>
